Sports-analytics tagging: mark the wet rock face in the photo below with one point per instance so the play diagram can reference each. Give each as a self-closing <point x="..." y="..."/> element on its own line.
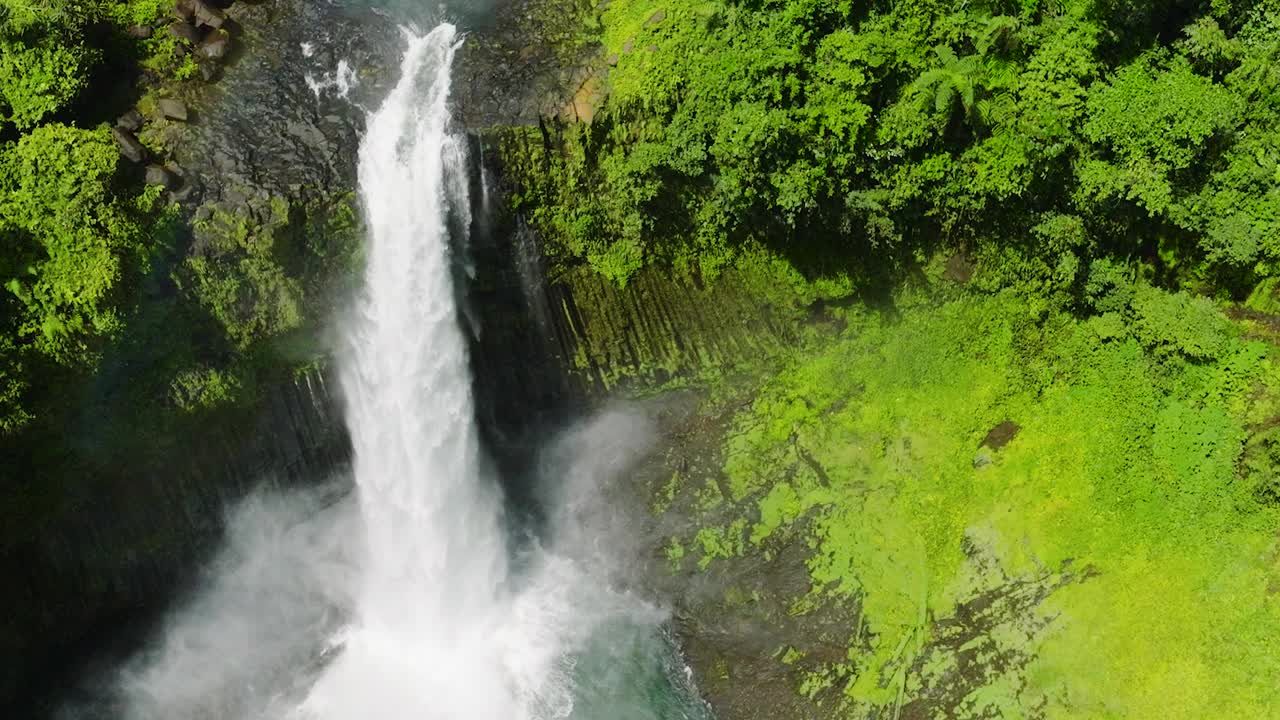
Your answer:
<point x="287" y="115"/>
<point x="523" y="60"/>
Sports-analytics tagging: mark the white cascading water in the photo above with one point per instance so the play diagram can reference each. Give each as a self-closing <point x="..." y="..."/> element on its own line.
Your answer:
<point x="437" y="626"/>
<point x="427" y="637"/>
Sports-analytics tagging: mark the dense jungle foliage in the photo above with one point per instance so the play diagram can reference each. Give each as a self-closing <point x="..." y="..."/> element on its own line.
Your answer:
<point x="99" y="278"/>
<point x="77" y="233"/>
<point x="1061" y="144"/>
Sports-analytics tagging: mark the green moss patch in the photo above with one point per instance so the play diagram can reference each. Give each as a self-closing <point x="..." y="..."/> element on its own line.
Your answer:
<point x="1116" y="558"/>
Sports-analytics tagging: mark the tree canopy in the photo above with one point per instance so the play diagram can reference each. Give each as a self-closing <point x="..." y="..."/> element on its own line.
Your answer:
<point x="1036" y="136"/>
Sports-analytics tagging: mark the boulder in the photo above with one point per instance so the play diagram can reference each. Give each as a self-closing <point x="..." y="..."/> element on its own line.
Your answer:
<point x="140" y="32"/>
<point x="216" y="46"/>
<point x="172" y="109"/>
<point x="184" y="11"/>
<point x="208" y="14"/>
<point x="1000" y="435"/>
<point x="183" y="193"/>
<point x="612" y="59"/>
<point x="629" y="45"/>
<point x="130" y="148"/>
<point x="158" y="175"/>
<point x="210" y="71"/>
<point x="656" y="18"/>
<point x="185" y="32"/>
<point x="130" y="121"/>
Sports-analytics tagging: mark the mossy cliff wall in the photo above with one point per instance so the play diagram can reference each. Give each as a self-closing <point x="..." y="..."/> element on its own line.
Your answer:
<point x="553" y="337"/>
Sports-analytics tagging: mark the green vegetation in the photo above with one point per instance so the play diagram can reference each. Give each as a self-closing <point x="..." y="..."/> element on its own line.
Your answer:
<point x="1038" y="136"/>
<point x="1056" y="206"/>
<point x="89" y="253"/>
<point x="74" y="231"/>
<point x="1128" y="507"/>
<point x="78" y="231"/>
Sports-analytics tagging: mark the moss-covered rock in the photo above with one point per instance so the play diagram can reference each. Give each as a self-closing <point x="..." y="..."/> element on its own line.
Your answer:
<point x="833" y="536"/>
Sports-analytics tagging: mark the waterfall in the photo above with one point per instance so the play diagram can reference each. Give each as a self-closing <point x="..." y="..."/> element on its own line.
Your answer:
<point x="411" y="602"/>
<point x="425" y="639"/>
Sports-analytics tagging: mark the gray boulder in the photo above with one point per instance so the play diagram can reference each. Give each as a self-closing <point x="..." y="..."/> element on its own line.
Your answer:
<point x="158" y="175"/>
<point x="130" y="121"/>
<point x="130" y="148"/>
<point x="216" y="46"/>
<point x="207" y="14"/>
<point x="184" y="11"/>
<point x="185" y="32"/>
<point x="172" y="109"/>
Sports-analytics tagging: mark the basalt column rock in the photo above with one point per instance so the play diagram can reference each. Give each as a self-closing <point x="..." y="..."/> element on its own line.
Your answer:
<point x="109" y="540"/>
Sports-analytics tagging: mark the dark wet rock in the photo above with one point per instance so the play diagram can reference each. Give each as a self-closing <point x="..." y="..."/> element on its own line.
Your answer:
<point x="130" y="148"/>
<point x="656" y="18"/>
<point x="216" y="46"/>
<point x="127" y="537"/>
<point x="140" y="32"/>
<point x="185" y="32"/>
<point x="183" y="194"/>
<point x="130" y="121"/>
<point x="184" y="10"/>
<point x="159" y="175"/>
<point x="513" y="73"/>
<point x="210" y="72"/>
<point x="1000" y="435"/>
<point x="263" y="127"/>
<point x="172" y="109"/>
<point x="208" y="14"/>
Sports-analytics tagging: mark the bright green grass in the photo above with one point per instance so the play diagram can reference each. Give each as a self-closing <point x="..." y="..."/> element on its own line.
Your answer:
<point x="1125" y="482"/>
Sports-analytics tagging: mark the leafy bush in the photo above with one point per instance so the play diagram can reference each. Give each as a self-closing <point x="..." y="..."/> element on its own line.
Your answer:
<point x="1179" y="323"/>
<point x="38" y="79"/>
<point x="70" y="236"/>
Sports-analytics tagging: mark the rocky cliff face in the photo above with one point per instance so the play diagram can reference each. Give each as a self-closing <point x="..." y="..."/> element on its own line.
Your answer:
<point x="98" y="540"/>
<point x="100" y="531"/>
